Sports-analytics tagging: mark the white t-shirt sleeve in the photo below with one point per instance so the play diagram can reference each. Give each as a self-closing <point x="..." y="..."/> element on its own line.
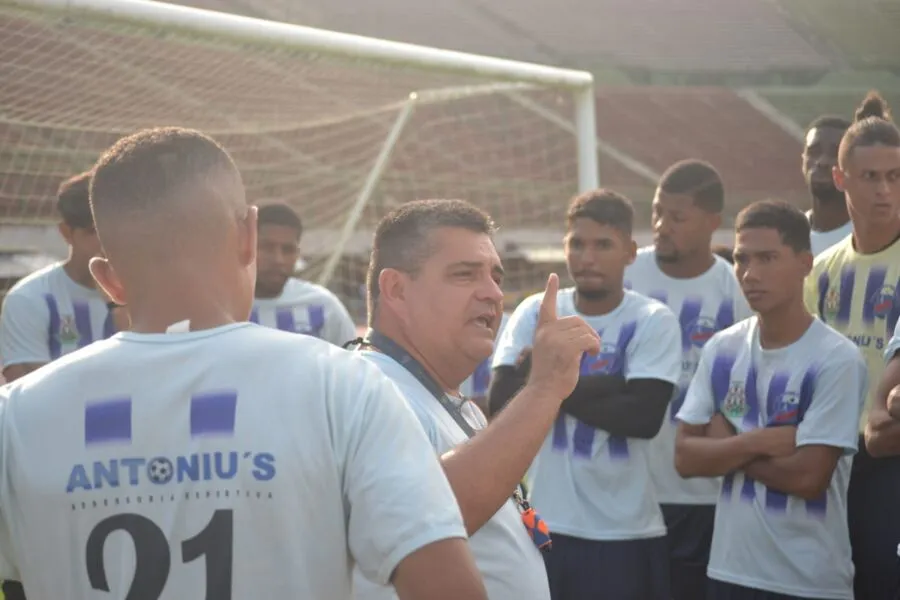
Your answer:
<point x="894" y="344"/>
<point x="838" y="397"/>
<point x="699" y="403"/>
<point x="399" y="498"/>
<point x="655" y="351"/>
<point x="24" y="324"/>
<point x="8" y="569"/>
<point x="339" y="327"/>
<point x="518" y="333"/>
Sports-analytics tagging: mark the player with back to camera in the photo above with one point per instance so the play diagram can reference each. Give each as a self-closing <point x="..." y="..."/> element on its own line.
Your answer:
<point x="853" y="288"/>
<point x="681" y="271"/>
<point x="284" y="301"/>
<point x="828" y="218"/>
<point x="58" y="309"/>
<point x="202" y="456"/>
<point x="772" y="409"/>
<point x="434" y="304"/>
<point x="591" y="479"/>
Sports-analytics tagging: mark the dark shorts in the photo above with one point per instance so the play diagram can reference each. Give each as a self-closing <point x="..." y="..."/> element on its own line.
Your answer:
<point x="719" y="590"/>
<point x="615" y="570"/>
<point x="873" y="507"/>
<point x="689" y="535"/>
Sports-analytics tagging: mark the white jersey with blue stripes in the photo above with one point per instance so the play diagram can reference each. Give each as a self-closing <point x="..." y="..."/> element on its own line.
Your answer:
<point x="307" y="308"/>
<point x="764" y="538"/>
<point x="585" y="482"/>
<point x="47" y="315"/>
<point x="704" y="305"/>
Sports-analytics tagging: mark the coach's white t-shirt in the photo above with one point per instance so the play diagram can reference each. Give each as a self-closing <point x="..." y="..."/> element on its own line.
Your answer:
<point x="238" y="462"/>
<point x="47" y="315"/>
<point x="763" y="538"/>
<point x="509" y="562"/>
<point x="704" y="305"/>
<point x="584" y="482"/>
<point x="308" y="308"/>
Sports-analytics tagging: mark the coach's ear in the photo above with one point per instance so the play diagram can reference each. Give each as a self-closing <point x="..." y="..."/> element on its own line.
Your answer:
<point x="107" y="279"/>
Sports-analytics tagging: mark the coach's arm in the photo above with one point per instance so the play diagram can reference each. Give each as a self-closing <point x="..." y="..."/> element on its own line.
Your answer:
<point x="882" y="432"/>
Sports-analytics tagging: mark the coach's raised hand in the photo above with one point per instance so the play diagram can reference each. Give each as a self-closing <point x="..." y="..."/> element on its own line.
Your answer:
<point x="559" y="344"/>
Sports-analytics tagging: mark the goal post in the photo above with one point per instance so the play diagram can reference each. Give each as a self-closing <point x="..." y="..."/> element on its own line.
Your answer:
<point x="342" y="127"/>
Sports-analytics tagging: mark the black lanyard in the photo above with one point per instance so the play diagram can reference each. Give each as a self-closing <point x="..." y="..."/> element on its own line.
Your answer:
<point x="390" y="348"/>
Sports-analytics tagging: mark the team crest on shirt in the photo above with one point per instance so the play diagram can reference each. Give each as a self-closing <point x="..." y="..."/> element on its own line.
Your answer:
<point x="883" y="301"/>
<point x="606" y="361"/>
<point x="735" y="404"/>
<point x="787" y="409"/>
<point x="700" y="331"/>
<point x="832" y="303"/>
<point x="68" y="334"/>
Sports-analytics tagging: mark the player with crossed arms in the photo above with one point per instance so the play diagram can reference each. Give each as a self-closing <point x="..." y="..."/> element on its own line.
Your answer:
<point x="202" y="456"/>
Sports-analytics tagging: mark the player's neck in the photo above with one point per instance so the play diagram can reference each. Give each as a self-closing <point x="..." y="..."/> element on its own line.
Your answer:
<point x="594" y="307"/>
<point x="688" y="267"/>
<point x="263" y="293"/>
<point x="446" y="376"/>
<point x="79" y="274"/>
<point x="154" y="310"/>
<point x="783" y="326"/>
<point x="828" y="215"/>
<point x="872" y="237"/>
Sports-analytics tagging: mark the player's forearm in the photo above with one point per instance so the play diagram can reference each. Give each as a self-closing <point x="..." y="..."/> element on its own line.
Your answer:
<point x="700" y="456"/>
<point x="506" y="381"/>
<point x="485" y="471"/>
<point x="882" y="434"/>
<point x="444" y="570"/>
<point x="14" y="372"/>
<point x="636" y="411"/>
<point x="790" y="475"/>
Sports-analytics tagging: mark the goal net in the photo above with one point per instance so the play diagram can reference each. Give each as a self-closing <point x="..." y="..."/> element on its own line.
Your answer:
<point x="341" y="127"/>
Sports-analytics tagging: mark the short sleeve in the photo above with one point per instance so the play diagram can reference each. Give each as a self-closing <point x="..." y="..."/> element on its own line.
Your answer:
<point x="838" y="396"/>
<point x="518" y="333"/>
<point x="655" y="351"/>
<point x="339" y="326"/>
<point x="699" y="403"/>
<point x="399" y="498"/>
<point x="893" y="345"/>
<point x="24" y="326"/>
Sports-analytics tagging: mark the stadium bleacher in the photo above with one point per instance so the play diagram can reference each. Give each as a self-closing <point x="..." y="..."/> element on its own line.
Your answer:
<point x="864" y="33"/>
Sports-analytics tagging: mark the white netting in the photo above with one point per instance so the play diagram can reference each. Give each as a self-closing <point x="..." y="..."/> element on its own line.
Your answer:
<point x="304" y="128"/>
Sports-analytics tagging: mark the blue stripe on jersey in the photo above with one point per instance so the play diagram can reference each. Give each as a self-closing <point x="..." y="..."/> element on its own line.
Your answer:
<point x="610" y="361"/>
<point x="894" y="313"/>
<point x="481" y="378"/>
<point x="727" y="485"/>
<point x="659" y="296"/>
<point x="776" y="411"/>
<point x="316" y="319"/>
<point x="82" y="312"/>
<point x="720" y="377"/>
<point x="53" y="344"/>
<point x="107" y="421"/>
<point x="824" y="283"/>
<point x="845" y="301"/>
<point x="875" y="304"/>
<point x="254" y="315"/>
<point x="284" y="319"/>
<point x="725" y="316"/>
<point x="213" y="413"/>
<point x="690" y="313"/>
